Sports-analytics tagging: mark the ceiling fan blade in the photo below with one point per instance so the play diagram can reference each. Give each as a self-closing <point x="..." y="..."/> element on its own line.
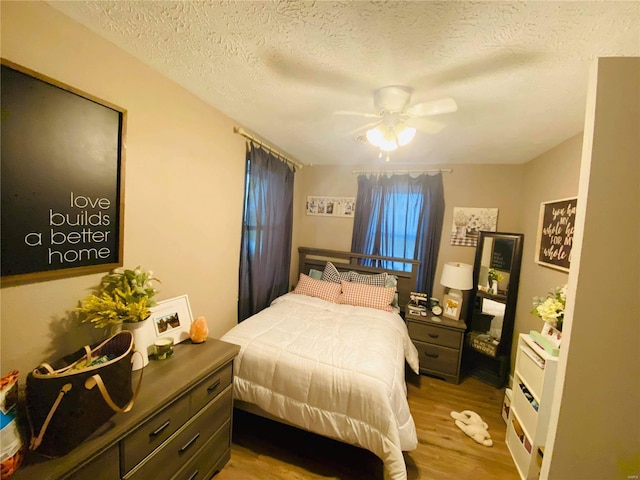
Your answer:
<point x="434" y="107"/>
<point x="363" y="128"/>
<point x="358" y="114"/>
<point x="427" y="125"/>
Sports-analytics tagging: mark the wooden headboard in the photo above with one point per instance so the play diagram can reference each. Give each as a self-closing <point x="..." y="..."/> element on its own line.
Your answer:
<point x="317" y="258"/>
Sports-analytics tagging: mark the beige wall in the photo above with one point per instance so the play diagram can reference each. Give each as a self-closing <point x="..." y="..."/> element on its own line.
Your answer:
<point x="595" y="423"/>
<point x="183" y="188"/>
<point x="551" y="176"/>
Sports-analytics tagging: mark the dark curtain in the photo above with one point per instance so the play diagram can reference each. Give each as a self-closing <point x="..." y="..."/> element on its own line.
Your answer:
<point x="401" y="216"/>
<point x="265" y="251"/>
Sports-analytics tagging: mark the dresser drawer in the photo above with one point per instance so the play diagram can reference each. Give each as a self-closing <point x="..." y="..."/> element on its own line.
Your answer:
<point x="440" y="359"/>
<point x="210" y="458"/>
<point x="152" y="433"/>
<point x="210" y="387"/>
<point x="105" y="467"/>
<point x="437" y="335"/>
<point x="187" y="442"/>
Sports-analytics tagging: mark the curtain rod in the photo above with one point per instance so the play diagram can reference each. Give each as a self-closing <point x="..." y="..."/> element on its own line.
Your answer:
<point x="439" y="170"/>
<point x="266" y="146"/>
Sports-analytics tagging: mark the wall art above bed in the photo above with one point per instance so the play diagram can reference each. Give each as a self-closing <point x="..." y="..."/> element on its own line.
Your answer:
<point x="331" y="206"/>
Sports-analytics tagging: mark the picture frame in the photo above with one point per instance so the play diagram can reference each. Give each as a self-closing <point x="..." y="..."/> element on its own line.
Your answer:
<point x="331" y="206"/>
<point x="79" y="181"/>
<point x="172" y="318"/>
<point x="469" y="222"/>
<point x="451" y="307"/>
<point x="554" y="240"/>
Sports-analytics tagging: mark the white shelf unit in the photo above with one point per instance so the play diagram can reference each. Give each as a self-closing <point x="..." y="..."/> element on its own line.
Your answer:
<point x="533" y="386"/>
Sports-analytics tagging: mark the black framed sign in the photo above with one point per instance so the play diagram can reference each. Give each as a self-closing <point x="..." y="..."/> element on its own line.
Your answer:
<point x="62" y="179"/>
<point x="555" y="233"/>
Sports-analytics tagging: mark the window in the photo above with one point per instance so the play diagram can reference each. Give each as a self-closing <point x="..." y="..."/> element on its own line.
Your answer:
<point x="400" y="216"/>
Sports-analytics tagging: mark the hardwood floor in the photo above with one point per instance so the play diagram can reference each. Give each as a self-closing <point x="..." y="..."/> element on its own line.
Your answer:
<point x="266" y="450"/>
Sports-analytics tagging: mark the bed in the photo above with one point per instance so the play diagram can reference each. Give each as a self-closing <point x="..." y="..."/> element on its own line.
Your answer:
<point x="329" y="357"/>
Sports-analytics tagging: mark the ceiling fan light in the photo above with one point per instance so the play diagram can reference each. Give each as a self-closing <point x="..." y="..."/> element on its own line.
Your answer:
<point x="375" y="136"/>
<point x="406" y="135"/>
<point x="382" y="138"/>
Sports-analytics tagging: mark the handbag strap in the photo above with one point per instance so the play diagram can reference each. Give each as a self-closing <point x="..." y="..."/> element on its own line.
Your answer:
<point x="51" y="371"/>
<point x="36" y="441"/>
<point x="97" y="380"/>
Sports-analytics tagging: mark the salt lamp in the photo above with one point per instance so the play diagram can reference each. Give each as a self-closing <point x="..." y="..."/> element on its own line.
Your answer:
<point x="199" y="330"/>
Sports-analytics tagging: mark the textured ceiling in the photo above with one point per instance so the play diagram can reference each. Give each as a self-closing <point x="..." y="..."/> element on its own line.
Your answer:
<point x="518" y="70"/>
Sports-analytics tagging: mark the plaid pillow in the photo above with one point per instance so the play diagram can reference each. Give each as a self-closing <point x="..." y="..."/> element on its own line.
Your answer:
<point x="331" y="274"/>
<point x="317" y="288"/>
<point x="379" y="280"/>
<point x="363" y="295"/>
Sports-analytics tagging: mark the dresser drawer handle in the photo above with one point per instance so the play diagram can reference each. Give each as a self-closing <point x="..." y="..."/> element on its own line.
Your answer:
<point x="194" y="475"/>
<point x="431" y="355"/>
<point x="433" y="335"/>
<point x="212" y="387"/>
<point x="159" y="430"/>
<point x="189" y="443"/>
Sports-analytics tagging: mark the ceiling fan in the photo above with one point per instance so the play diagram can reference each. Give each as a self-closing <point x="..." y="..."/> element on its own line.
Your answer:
<point x="397" y="121"/>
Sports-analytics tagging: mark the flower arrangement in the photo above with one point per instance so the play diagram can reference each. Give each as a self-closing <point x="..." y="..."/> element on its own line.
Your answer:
<point x="551" y="309"/>
<point x="494" y="275"/>
<point x="122" y="296"/>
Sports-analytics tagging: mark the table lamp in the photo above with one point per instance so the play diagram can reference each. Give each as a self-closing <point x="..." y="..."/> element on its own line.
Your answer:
<point x="457" y="277"/>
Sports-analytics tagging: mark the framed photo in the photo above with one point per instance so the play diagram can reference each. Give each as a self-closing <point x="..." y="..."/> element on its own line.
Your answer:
<point x="451" y="307"/>
<point x="172" y="319"/>
<point x="331" y="206"/>
<point x="552" y="334"/>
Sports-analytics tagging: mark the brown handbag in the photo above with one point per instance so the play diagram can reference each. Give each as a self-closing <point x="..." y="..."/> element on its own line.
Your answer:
<point x="67" y="400"/>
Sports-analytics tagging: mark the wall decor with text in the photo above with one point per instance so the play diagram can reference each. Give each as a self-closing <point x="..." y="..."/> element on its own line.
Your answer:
<point x="555" y="233"/>
<point x="62" y="184"/>
<point x="331" y="206"/>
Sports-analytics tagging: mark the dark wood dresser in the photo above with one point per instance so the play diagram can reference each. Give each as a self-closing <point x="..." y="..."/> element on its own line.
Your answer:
<point x="179" y="427"/>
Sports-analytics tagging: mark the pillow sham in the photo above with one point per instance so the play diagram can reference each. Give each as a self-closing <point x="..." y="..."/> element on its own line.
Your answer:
<point x="363" y="295"/>
<point x="379" y="279"/>
<point x="311" y="287"/>
<point x="316" y="274"/>
<point x="331" y="274"/>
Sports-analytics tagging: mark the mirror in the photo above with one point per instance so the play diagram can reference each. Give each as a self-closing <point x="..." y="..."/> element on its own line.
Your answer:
<point x="492" y="306"/>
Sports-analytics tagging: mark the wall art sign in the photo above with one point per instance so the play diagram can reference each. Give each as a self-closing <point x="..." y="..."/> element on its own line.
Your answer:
<point x="62" y="188"/>
<point x="331" y="206"/>
<point x="469" y="222"/>
<point x="555" y="233"/>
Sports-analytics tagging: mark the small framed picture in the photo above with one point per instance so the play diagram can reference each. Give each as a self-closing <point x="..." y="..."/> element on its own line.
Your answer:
<point x="172" y="318"/>
<point x="451" y="307"/>
<point x="552" y="334"/>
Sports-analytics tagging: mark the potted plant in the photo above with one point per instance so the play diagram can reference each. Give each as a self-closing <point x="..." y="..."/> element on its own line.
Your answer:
<point x="123" y="300"/>
<point x="123" y="296"/>
<point x="551" y="308"/>
<point x="493" y="277"/>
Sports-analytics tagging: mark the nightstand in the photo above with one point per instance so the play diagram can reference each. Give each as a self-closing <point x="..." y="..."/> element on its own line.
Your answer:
<point x="439" y="343"/>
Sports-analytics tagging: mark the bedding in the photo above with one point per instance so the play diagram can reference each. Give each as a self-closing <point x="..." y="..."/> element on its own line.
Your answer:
<point x="335" y="370"/>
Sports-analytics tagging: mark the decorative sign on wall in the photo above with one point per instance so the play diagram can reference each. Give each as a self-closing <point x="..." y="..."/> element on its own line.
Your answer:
<point x="62" y="190"/>
<point x="331" y="206"/>
<point x="555" y="233"/>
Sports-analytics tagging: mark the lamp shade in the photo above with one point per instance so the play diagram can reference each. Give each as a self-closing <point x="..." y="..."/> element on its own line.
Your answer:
<point x="458" y="276"/>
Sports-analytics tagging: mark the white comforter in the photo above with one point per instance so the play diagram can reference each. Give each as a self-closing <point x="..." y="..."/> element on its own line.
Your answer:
<point x="336" y="370"/>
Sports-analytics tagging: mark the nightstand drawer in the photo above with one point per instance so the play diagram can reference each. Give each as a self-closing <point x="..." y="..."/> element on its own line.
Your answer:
<point x="440" y="359"/>
<point x="187" y="442"/>
<point x="432" y="334"/>
<point x="210" y="387"/>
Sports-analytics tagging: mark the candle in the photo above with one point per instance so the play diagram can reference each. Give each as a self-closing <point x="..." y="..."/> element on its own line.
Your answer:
<point x="163" y="348"/>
